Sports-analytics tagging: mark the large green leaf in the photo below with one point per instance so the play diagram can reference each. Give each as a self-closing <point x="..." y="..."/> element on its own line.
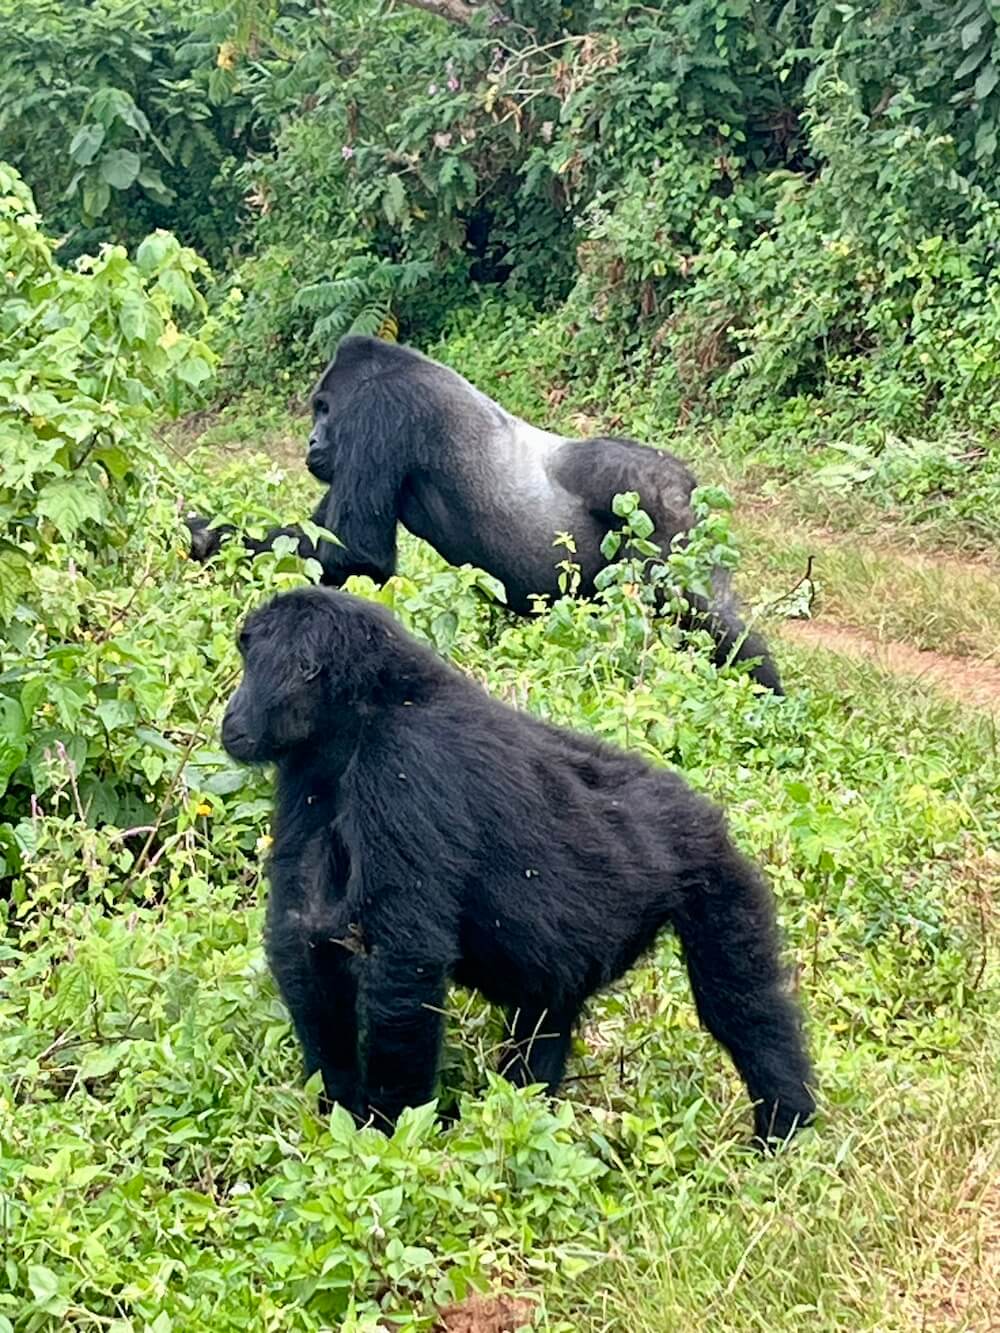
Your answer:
<point x="139" y="320"/>
<point x="85" y="144"/>
<point x="120" y="167"/>
<point x="96" y="197"/>
<point x="69" y="502"/>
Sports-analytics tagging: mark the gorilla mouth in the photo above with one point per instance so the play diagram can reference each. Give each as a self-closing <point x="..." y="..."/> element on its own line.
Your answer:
<point x="238" y="745"/>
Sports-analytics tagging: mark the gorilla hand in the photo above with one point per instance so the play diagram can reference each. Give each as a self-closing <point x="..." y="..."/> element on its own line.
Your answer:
<point x="205" y="540"/>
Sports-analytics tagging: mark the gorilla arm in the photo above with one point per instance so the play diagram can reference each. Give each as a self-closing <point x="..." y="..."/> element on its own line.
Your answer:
<point x="365" y="523"/>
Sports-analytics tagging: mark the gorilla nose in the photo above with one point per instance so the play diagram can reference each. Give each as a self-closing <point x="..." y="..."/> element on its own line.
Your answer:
<point x="316" y="461"/>
<point x="234" y="740"/>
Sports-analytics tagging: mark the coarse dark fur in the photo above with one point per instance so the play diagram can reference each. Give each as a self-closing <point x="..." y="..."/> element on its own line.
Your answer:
<point x="398" y="438"/>
<point x="425" y="832"/>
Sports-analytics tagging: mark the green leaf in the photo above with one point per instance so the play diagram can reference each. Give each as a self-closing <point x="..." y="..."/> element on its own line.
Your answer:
<point x="13" y="752"/>
<point x="114" y="459"/>
<point x="394" y="199"/>
<point x="103" y="1061"/>
<point x="116" y="713"/>
<point x="156" y="741"/>
<point x="154" y="184"/>
<point x="154" y="250"/>
<point x="96" y="197"/>
<point x="70" y="502"/>
<point x="193" y="370"/>
<point x="120" y="167"/>
<point x="972" y="61"/>
<point x="43" y="1283"/>
<point x="15" y="581"/>
<point x="449" y="170"/>
<point x="444" y="628"/>
<point x="610" y="545"/>
<point x="85" y="144"/>
<point x="986" y="81"/>
<point x="178" y="287"/>
<point x="225" y="782"/>
<point x="641" y="523"/>
<point x="139" y="320"/>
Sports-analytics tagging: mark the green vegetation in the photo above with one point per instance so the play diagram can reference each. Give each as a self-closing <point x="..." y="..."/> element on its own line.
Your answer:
<point x="764" y="236"/>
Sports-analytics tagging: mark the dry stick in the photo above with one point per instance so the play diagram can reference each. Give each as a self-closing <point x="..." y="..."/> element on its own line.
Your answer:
<point x="769" y="606"/>
<point x="806" y="578"/>
<point x="984" y="936"/>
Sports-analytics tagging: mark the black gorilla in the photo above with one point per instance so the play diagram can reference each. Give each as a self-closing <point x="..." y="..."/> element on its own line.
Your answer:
<point x="401" y="439"/>
<point x="424" y="831"/>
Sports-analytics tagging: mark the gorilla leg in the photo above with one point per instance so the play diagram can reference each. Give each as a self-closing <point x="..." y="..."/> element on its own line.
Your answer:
<point x="206" y="540"/>
<point x="733" y="641"/>
<point x="726" y="926"/>
<point x="403" y="1011"/>
<point x="318" y="986"/>
<point x="538" y="1047"/>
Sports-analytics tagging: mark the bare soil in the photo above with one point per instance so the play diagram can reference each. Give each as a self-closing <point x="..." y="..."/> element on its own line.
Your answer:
<point x="973" y="683"/>
<point x="485" y="1314"/>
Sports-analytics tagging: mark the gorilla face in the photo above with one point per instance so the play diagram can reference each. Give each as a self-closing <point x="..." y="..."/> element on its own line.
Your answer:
<point x="279" y="702"/>
<point x="319" y="459"/>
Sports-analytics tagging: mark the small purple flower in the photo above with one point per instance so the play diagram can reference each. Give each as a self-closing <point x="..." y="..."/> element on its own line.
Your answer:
<point x="453" y="84"/>
<point x="347" y="152"/>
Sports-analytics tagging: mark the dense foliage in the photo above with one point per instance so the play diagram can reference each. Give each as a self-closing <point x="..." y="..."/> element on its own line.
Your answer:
<point x="737" y="199"/>
<point x="768" y="231"/>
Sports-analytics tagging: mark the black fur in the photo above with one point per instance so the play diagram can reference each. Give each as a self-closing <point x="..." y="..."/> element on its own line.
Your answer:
<point x="425" y="832"/>
<point x="398" y="438"/>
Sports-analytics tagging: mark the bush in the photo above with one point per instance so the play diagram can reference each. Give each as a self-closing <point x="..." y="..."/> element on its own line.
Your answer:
<point x="87" y="360"/>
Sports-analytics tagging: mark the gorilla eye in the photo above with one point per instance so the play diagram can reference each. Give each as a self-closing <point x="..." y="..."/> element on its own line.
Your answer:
<point x="321" y="407"/>
<point x="243" y="641"/>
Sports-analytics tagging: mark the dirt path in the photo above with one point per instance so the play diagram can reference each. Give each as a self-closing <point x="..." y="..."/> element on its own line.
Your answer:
<point x="973" y="683"/>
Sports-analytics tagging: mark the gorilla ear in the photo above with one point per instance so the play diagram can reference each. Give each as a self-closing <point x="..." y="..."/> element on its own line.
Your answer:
<point x="313" y="653"/>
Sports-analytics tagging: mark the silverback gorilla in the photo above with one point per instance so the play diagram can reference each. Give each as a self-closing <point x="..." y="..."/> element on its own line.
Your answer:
<point x="398" y="438"/>
<point x="424" y="831"/>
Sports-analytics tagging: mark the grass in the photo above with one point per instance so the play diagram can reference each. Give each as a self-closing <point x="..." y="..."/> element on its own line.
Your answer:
<point x="161" y="1168"/>
<point x="898" y="1229"/>
<point x="932" y="602"/>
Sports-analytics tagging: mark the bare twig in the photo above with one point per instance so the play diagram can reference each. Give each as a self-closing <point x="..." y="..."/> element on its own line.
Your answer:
<point x="790" y="592"/>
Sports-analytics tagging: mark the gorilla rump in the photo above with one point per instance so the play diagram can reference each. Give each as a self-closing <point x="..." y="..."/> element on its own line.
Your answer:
<point x="398" y="438"/>
<point x="425" y="832"/>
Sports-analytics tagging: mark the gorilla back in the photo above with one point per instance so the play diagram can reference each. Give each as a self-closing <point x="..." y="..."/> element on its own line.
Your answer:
<point x="399" y="438"/>
<point x="424" y="831"/>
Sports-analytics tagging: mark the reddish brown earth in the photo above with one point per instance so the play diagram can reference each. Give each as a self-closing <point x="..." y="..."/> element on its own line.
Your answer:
<point x="485" y="1314"/>
<point x="974" y="683"/>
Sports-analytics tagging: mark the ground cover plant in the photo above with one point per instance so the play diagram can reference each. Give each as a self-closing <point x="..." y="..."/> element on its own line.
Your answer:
<point x="161" y="1167"/>
<point x="762" y="237"/>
